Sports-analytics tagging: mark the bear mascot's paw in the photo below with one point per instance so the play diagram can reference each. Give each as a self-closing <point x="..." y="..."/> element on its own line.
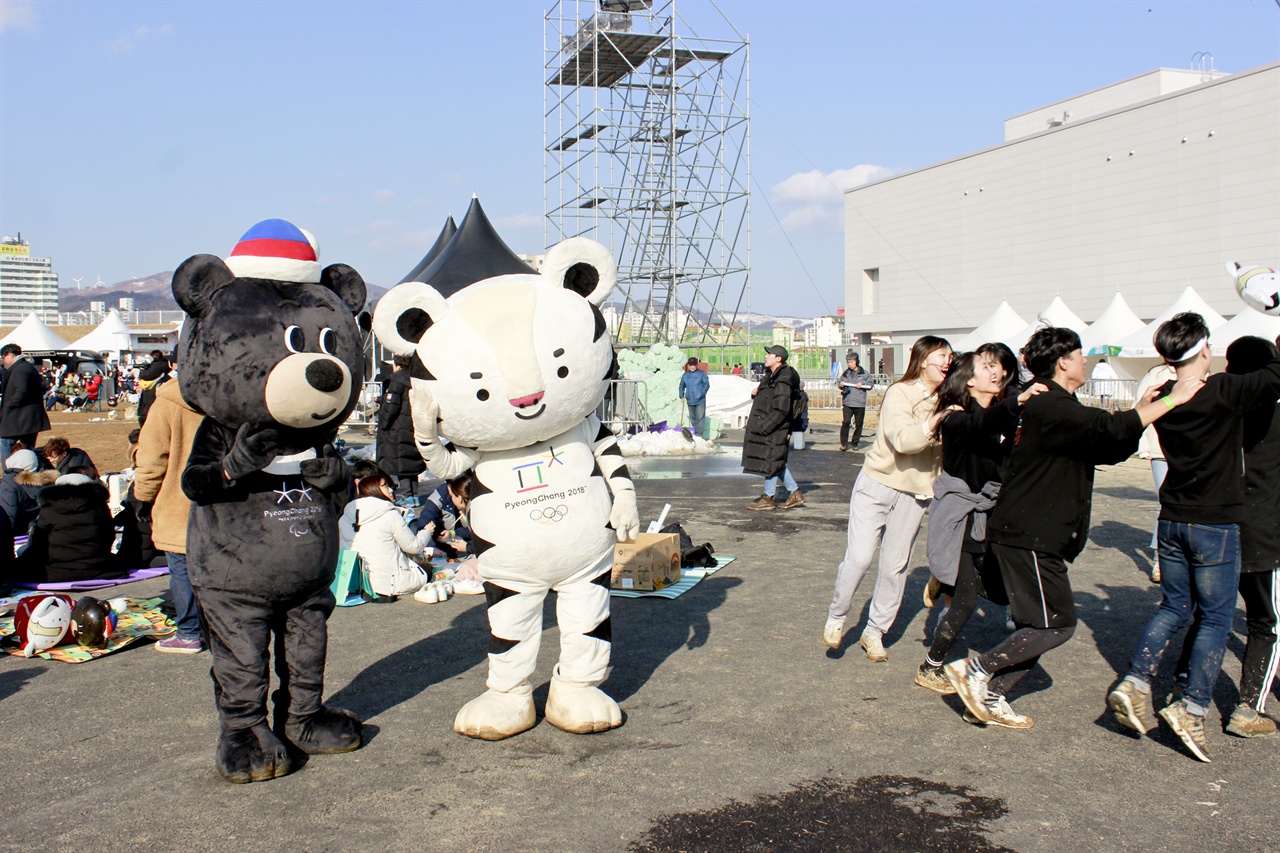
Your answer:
<point x="494" y="716"/>
<point x="327" y="732"/>
<point x="580" y="708"/>
<point x="252" y="755"/>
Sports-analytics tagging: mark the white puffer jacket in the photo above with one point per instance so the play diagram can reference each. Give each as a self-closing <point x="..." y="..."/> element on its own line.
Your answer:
<point x="376" y="530"/>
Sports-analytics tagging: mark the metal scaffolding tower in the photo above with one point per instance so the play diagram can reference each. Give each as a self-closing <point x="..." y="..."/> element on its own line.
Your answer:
<point x="647" y="150"/>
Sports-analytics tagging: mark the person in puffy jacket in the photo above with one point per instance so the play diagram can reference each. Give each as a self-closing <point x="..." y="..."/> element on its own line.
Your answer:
<point x="20" y="489"/>
<point x="397" y="454"/>
<point x="73" y="535"/>
<point x="374" y="528"/>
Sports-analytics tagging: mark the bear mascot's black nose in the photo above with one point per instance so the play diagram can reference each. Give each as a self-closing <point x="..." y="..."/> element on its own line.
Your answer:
<point x="324" y="375"/>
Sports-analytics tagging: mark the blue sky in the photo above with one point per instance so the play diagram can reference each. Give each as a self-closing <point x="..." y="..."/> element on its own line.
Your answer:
<point x="135" y="134"/>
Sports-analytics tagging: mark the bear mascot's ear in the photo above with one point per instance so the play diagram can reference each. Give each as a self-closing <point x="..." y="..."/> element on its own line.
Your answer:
<point x="195" y="282"/>
<point x="347" y="283"/>
<point x="405" y="313"/>
<point x="583" y="266"/>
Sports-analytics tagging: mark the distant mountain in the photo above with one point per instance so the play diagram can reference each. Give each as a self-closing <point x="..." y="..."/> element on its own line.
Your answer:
<point x="152" y="293"/>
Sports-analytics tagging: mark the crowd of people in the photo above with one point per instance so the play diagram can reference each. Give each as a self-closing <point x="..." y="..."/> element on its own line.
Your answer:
<point x="1001" y="454"/>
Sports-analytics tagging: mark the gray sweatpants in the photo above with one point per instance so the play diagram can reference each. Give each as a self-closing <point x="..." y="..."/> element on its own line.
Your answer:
<point x="884" y="516"/>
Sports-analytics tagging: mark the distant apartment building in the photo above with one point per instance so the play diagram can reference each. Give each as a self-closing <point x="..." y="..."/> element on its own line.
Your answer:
<point x="26" y="284"/>
<point x="1142" y="187"/>
<point x="534" y="261"/>
<point x="825" y="332"/>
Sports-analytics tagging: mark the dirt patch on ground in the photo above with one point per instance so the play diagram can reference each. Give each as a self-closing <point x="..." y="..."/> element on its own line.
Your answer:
<point x="106" y="441"/>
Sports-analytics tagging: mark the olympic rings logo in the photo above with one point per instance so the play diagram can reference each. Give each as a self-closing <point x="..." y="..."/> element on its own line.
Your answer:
<point x="549" y="515"/>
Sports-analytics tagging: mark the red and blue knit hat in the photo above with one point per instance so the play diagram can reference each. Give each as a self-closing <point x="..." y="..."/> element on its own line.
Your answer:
<point x="278" y="250"/>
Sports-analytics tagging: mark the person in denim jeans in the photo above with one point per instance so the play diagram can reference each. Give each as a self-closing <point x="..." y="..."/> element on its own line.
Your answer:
<point x="1201" y="505"/>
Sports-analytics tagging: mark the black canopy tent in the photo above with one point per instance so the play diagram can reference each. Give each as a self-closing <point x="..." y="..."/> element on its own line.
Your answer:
<point x="446" y="234"/>
<point x="474" y="253"/>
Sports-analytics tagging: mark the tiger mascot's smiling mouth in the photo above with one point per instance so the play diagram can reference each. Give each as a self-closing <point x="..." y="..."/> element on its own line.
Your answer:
<point x="541" y="409"/>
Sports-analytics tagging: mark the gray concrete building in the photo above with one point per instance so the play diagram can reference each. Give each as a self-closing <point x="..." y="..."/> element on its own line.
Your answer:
<point x="1142" y="187"/>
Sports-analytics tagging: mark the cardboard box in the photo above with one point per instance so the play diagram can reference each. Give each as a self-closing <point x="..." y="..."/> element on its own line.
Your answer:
<point x="650" y="562"/>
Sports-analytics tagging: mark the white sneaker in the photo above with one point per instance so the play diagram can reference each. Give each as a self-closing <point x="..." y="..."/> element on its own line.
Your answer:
<point x="1008" y="620"/>
<point x="874" y="647"/>
<point x="468" y="587"/>
<point x="971" y="688"/>
<point x="1002" y="714"/>
<point x="427" y="595"/>
<point x="833" y="633"/>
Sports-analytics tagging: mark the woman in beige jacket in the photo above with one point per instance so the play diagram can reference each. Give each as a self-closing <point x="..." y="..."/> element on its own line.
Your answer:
<point x="163" y="447"/>
<point x="891" y="494"/>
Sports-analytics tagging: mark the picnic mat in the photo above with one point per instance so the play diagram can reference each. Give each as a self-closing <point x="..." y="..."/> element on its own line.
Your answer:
<point x="142" y="619"/>
<point x="688" y="580"/>
<point x="100" y="583"/>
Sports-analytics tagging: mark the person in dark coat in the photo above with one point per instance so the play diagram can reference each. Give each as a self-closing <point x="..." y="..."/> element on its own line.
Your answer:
<point x="73" y="534"/>
<point x="20" y="489"/>
<point x="768" y="434"/>
<point x="22" y="413"/>
<point x="397" y="453"/>
<point x="65" y="458"/>
<point x="151" y="376"/>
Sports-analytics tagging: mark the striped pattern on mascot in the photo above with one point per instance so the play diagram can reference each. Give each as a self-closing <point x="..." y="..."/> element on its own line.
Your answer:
<point x="510" y="370"/>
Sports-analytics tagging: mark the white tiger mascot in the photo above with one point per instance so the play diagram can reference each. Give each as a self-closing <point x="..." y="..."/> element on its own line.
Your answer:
<point x="510" y="370"/>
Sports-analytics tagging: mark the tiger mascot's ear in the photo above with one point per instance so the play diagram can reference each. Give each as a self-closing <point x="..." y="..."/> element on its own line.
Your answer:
<point x="583" y="266"/>
<point x="405" y="313"/>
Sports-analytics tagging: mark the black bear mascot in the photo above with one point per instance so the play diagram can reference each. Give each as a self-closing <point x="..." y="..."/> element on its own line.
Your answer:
<point x="271" y="353"/>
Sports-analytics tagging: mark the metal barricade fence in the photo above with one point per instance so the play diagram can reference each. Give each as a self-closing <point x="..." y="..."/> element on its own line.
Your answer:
<point x="625" y="404"/>
<point x="825" y="394"/>
<point x="366" y="410"/>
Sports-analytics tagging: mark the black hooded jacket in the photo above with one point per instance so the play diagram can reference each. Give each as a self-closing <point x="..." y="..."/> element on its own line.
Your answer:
<point x="397" y="453"/>
<point x="764" y="446"/>
<point x="73" y="536"/>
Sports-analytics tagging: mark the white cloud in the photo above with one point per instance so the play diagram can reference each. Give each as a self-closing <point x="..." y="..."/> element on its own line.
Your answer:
<point x="815" y="198"/>
<point x="520" y="220"/>
<point x="18" y="15"/>
<point x="384" y="195"/>
<point x="379" y="226"/>
<point x="135" y="38"/>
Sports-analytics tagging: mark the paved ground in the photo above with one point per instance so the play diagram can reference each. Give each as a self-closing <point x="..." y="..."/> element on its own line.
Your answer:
<point x="742" y="731"/>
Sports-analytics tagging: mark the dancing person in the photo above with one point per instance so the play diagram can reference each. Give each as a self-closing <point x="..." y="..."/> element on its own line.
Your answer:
<point x="1041" y="520"/>
<point x="1202" y="504"/>
<point x="978" y="426"/>
<point x="890" y="496"/>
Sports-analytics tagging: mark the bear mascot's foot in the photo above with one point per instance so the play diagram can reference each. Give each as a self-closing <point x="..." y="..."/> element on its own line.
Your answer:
<point x="494" y="716"/>
<point x="326" y="732"/>
<point x="252" y="755"/>
<point x="580" y="708"/>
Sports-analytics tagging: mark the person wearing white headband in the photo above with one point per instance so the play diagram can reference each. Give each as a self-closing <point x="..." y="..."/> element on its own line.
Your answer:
<point x="1201" y="506"/>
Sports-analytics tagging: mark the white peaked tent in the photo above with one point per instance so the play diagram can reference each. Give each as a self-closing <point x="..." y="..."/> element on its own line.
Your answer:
<point x="1056" y="314"/>
<point x="34" y="336"/>
<point x="1247" y="322"/>
<point x="112" y="335"/>
<point x="1003" y="323"/>
<point x="1115" y="323"/>
<point x="1140" y="344"/>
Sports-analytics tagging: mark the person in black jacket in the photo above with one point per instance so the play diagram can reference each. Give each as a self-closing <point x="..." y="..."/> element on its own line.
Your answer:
<point x="151" y="376"/>
<point x="72" y="538"/>
<point x="63" y="457"/>
<point x="980" y="416"/>
<point x="1041" y="520"/>
<point x="397" y="454"/>
<point x="854" y="384"/>
<point x="1259" y="552"/>
<point x="1202" y="504"/>
<point x="768" y="433"/>
<point x="22" y="413"/>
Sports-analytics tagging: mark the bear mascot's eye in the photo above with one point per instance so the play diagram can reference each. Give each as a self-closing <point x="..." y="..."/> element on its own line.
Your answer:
<point x="328" y="341"/>
<point x="294" y="340"/>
